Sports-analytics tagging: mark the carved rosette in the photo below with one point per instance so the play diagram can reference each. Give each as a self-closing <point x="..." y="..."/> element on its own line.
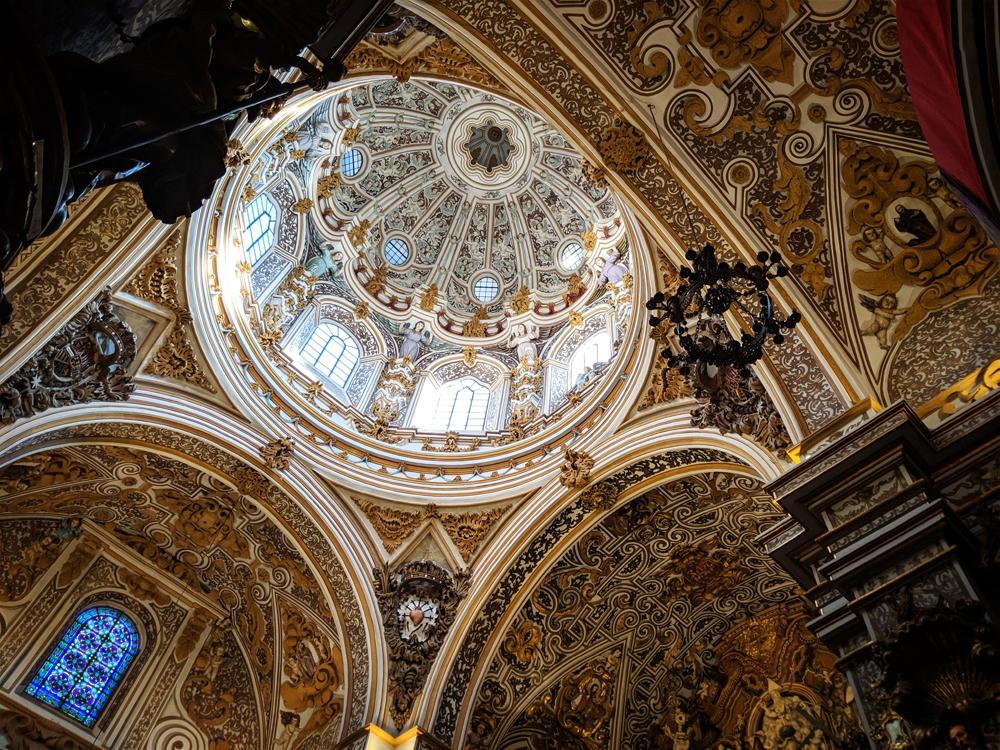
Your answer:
<point x="623" y="148"/>
<point x="418" y="602"/>
<point x="86" y="361"/>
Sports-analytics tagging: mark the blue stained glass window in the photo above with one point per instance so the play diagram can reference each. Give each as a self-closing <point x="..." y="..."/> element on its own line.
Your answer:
<point x="85" y="667"/>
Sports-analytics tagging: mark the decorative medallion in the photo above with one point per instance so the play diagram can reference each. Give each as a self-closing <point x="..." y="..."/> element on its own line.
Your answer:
<point x="489" y="146"/>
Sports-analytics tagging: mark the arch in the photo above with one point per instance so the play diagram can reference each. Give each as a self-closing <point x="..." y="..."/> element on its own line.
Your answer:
<point x="260" y="219"/>
<point x="86" y="666"/>
<point x="333" y="352"/>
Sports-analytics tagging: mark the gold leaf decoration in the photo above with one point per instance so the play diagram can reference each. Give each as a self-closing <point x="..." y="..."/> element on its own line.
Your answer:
<point x="175" y="359"/>
<point x="467" y="530"/>
<point x="623" y="148"/>
<point x="469" y="354"/>
<point x="521" y="301"/>
<point x="392" y="526"/>
<point x="429" y="298"/>
<point x="522" y="643"/>
<point x="361" y="311"/>
<point x="358" y="234"/>
<point x="303" y="206"/>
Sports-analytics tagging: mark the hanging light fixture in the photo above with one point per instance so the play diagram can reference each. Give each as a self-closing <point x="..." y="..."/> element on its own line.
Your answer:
<point x="710" y="288"/>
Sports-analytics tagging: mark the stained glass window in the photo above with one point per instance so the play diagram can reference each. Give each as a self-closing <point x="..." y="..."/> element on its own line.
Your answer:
<point x="83" y="670"/>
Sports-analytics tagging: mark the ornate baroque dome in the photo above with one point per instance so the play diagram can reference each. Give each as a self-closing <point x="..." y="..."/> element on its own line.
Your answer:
<point x="420" y="270"/>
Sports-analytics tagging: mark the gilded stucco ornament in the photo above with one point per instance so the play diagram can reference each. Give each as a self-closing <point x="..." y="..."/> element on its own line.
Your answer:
<point x="623" y="148"/>
<point x="576" y="469"/>
<point x="87" y="360"/>
<point x="418" y="601"/>
<point x="277" y="454"/>
<point x="579" y="713"/>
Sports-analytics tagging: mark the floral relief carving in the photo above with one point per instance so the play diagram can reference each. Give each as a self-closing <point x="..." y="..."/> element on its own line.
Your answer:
<point x="393" y="526"/>
<point x="623" y="148"/>
<point x="748" y="32"/>
<point x="157" y="282"/>
<point x="277" y="454"/>
<point x="576" y="468"/>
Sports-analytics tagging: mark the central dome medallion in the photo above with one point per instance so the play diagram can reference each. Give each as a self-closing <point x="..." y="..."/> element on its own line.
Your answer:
<point x="489" y="146"/>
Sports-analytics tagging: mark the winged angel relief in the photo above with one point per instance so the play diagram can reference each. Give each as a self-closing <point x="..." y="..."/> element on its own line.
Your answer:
<point x="912" y="238"/>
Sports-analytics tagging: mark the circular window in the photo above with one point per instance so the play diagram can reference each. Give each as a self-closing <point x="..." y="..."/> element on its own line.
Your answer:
<point x="396" y="251"/>
<point x="572" y="256"/>
<point x="486" y="289"/>
<point x="351" y="162"/>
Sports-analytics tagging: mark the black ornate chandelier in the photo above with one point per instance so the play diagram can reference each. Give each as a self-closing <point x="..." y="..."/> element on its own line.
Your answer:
<point x="707" y="291"/>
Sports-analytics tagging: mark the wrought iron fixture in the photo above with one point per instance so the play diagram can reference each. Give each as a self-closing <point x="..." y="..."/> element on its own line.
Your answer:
<point x="708" y="290"/>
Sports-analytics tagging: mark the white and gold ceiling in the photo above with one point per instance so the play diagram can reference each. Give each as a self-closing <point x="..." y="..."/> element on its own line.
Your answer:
<point x="609" y="541"/>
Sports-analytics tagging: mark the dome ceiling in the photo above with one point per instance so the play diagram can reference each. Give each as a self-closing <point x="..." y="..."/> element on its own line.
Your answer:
<point x="482" y="194"/>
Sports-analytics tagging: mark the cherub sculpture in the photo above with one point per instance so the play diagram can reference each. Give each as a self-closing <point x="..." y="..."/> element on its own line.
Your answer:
<point x="885" y="311"/>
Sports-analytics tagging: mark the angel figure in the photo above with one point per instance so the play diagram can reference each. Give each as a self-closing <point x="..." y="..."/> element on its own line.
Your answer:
<point x="613" y="271"/>
<point x="936" y="188"/>
<point x="413" y="338"/>
<point x="330" y="261"/>
<point x="521" y="338"/>
<point x="875" y="243"/>
<point x="884" y="310"/>
<point x="290" y="727"/>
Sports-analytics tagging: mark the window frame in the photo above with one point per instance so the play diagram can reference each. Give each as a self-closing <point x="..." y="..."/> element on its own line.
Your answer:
<point x="349" y="343"/>
<point x="59" y="650"/>
<point x="585" y="347"/>
<point x="486" y="277"/>
<point x="361" y="163"/>
<point x="435" y="424"/>
<point x="249" y="241"/>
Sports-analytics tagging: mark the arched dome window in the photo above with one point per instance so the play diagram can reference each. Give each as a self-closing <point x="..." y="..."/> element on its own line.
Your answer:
<point x="594" y="351"/>
<point x="86" y="666"/>
<point x="260" y="219"/>
<point x="332" y="351"/>
<point x="461" y="406"/>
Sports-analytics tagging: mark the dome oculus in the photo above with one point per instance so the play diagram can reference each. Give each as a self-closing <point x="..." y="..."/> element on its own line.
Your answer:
<point x="351" y="162"/>
<point x="489" y="146"/>
<point x="486" y="289"/>
<point x="396" y="251"/>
